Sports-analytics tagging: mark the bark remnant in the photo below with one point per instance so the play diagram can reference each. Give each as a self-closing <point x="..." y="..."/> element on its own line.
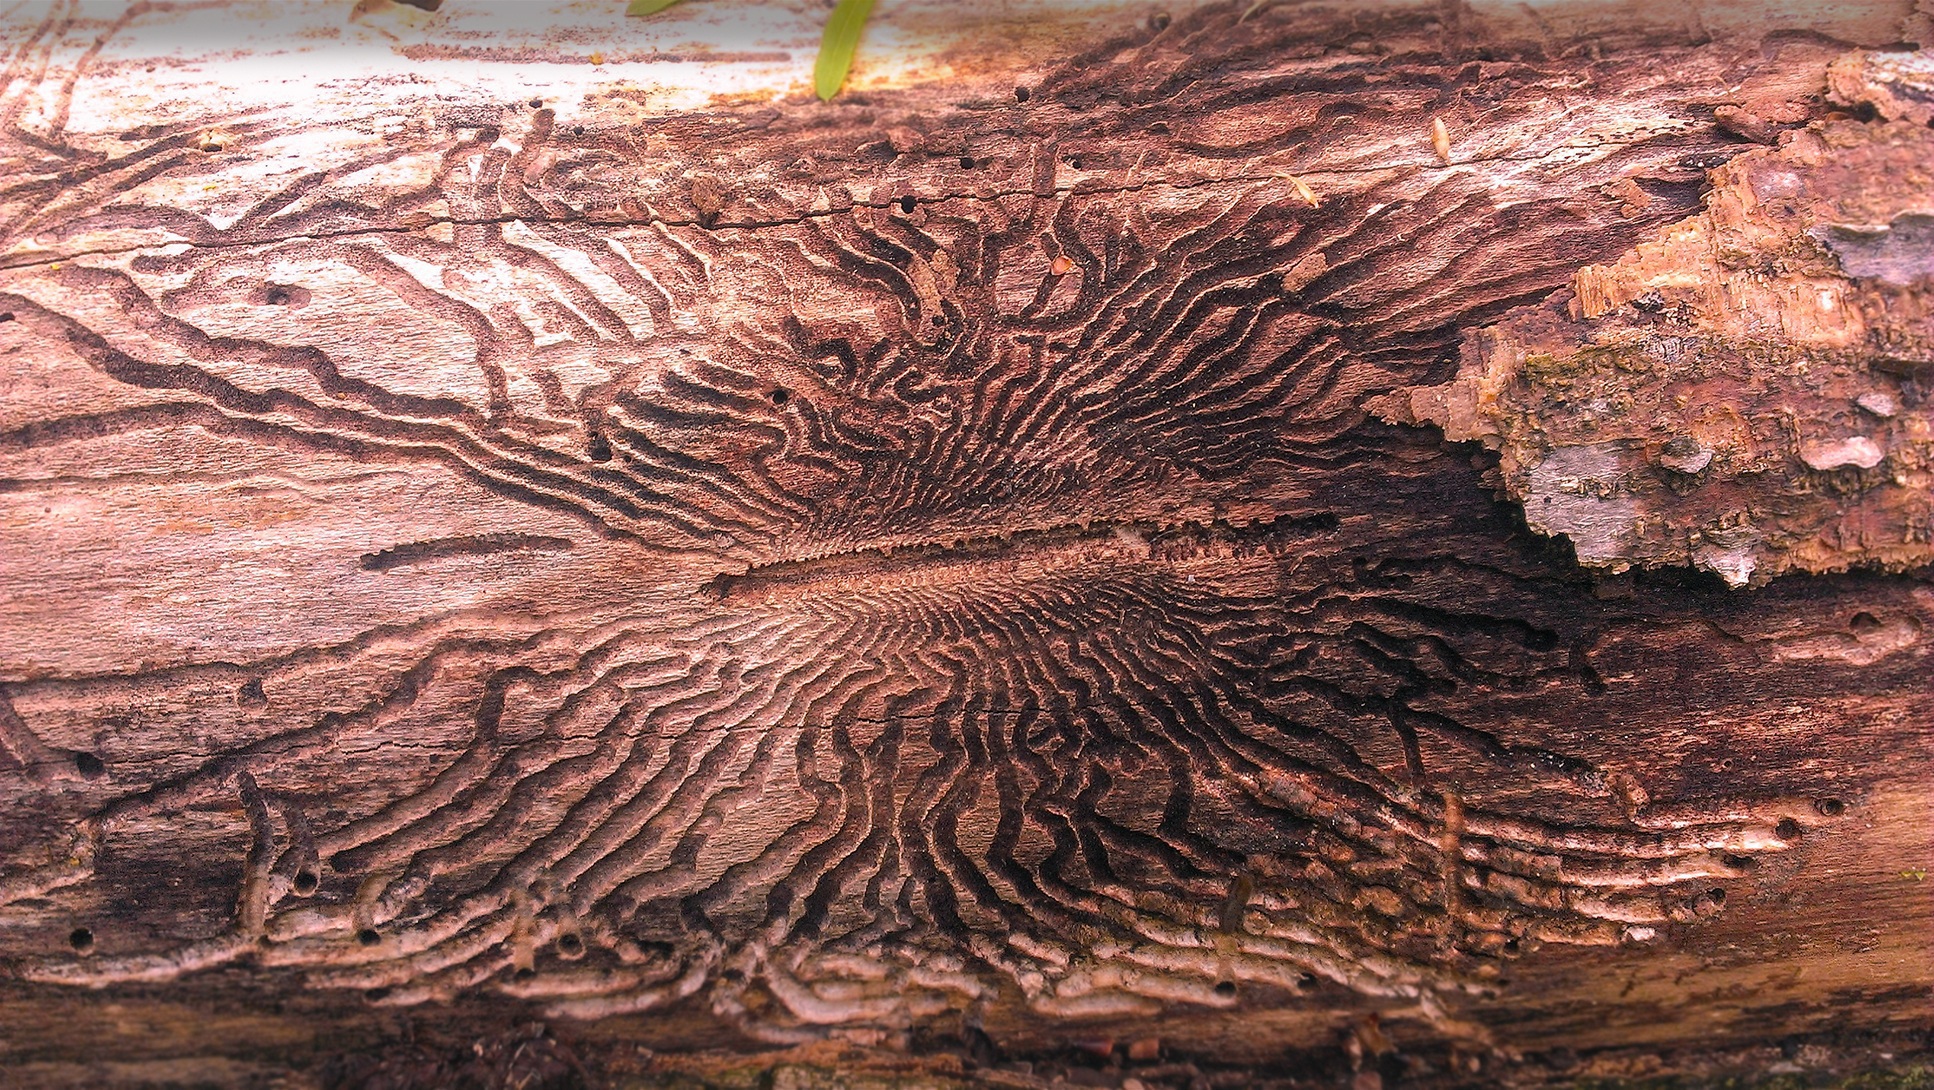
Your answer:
<point x="1748" y="392"/>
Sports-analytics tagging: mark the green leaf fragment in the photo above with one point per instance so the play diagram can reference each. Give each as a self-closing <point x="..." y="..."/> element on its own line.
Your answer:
<point x="836" y="48"/>
<point x="647" y="7"/>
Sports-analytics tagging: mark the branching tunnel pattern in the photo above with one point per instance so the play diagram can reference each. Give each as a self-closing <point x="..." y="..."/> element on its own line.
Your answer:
<point x="993" y="607"/>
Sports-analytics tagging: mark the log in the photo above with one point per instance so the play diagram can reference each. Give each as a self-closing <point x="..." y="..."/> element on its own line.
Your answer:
<point x="1245" y="544"/>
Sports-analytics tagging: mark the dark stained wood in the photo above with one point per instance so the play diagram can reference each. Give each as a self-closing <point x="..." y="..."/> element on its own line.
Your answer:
<point x="924" y="573"/>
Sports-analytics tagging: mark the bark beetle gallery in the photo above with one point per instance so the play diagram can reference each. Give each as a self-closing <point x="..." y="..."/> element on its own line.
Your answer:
<point x="882" y="563"/>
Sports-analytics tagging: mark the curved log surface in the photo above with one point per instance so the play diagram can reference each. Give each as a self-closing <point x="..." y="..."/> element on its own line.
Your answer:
<point x="919" y="568"/>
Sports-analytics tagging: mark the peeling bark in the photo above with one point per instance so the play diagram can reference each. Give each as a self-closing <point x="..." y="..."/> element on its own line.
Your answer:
<point x="1748" y="391"/>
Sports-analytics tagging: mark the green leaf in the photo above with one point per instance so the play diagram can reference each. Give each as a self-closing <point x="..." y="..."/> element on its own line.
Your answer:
<point x="837" y="47"/>
<point x="647" y="7"/>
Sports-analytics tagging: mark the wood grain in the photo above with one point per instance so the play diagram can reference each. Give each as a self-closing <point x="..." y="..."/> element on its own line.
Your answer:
<point x="919" y="565"/>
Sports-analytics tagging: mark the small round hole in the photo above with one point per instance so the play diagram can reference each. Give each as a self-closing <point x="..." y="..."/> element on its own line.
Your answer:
<point x="938" y="320"/>
<point x="1830" y="807"/>
<point x="1787" y="828"/>
<point x="211" y="146"/>
<point x="1512" y="946"/>
<point x="81" y="939"/>
<point x="277" y="297"/>
<point x="1022" y="94"/>
<point x="781" y="396"/>
<point x="368" y="937"/>
<point x="906" y="205"/>
<point x="966" y="162"/>
<point x="1306" y="981"/>
<point x="1864" y="621"/>
<point x="577" y="130"/>
<point x="1158" y="21"/>
<point x="1226" y="989"/>
<point x="537" y="104"/>
<point x="599" y="448"/>
<point x="1074" y="162"/>
<point x="252" y="692"/>
<point x="89" y="765"/>
<point x="304" y="882"/>
<point x="523" y="974"/>
<point x="1716" y="895"/>
<point x="1739" y="862"/>
<point x="570" y="945"/>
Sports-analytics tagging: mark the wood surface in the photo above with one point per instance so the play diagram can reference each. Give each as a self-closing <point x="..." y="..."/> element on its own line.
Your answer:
<point x="558" y="525"/>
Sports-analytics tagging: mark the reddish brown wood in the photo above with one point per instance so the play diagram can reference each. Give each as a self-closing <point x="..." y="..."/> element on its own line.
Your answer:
<point x="927" y="580"/>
